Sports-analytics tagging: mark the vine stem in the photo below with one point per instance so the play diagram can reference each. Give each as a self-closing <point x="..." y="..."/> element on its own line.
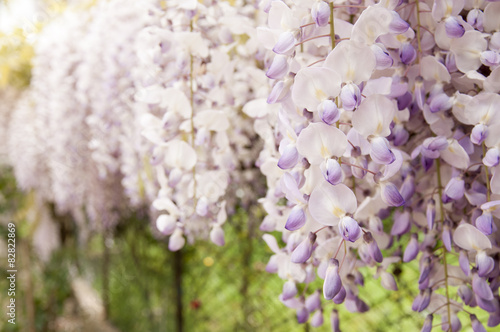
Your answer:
<point x="488" y="188"/>
<point x="445" y="264"/>
<point x="332" y="26"/>
<point x="419" y="54"/>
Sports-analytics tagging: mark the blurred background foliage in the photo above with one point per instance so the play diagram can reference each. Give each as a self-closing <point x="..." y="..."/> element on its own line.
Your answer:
<point x="129" y="281"/>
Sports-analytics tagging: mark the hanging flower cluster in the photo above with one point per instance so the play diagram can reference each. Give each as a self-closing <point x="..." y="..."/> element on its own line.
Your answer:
<point x="138" y="103"/>
<point x="197" y="68"/>
<point x="382" y="134"/>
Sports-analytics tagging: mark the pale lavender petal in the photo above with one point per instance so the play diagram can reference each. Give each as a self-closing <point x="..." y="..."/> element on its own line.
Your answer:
<point x="285" y="43"/>
<point x="408" y="187"/>
<point x="419" y="92"/>
<point x="425" y="269"/>
<point x="388" y="281"/>
<point x="272" y="265"/>
<point x="296" y="219"/>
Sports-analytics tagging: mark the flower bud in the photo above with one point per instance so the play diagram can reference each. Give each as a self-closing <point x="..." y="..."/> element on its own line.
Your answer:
<point x="202" y="206"/>
<point x="419" y="92"/>
<point x="476" y="324"/>
<point x="492" y="157"/>
<point x="425" y="269"/>
<point x="285" y="43"/>
<point x="296" y="219"/>
<point x="431" y="213"/>
<point x="484" y="263"/>
<point x="302" y="315"/>
<point x="304" y="250"/>
<point x="478" y="134"/>
<point x="455" y="188"/>
<point x="333" y="172"/>
<point x="176" y="241"/>
<point x="446" y="235"/>
<point x="373" y="248"/>
<point x="328" y="111"/>
<point x="490" y="58"/>
<point x="475" y="17"/>
<point x="340" y="297"/>
<point x="313" y="302"/>
<point x="441" y="102"/>
<point x="398" y="25"/>
<point x="381" y="152"/>
<point x="465" y="294"/>
<point x="350" y="96"/>
<point x="334" y="320"/>
<point x="427" y="324"/>
<point x="422" y="300"/>
<point x="388" y="281"/>
<point x="463" y="261"/>
<point x="317" y="319"/>
<point x="411" y="250"/>
<point x="320" y="13"/>
<point x="481" y="287"/>
<point x="453" y="28"/>
<point x="217" y="235"/>
<point x="333" y="283"/>
<point x="402" y="223"/>
<point x="289" y="290"/>
<point x="404" y="101"/>
<point x="166" y="224"/>
<point x="349" y="229"/>
<point x="485" y="223"/>
<point x="408" y="187"/>
<point x="382" y="57"/>
<point x="390" y="194"/>
<point x="278" y="68"/>
<point x="407" y="53"/>
<point x="289" y="157"/>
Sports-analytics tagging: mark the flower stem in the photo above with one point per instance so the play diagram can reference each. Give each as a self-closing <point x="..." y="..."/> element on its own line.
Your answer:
<point x="191" y="100"/>
<point x="441" y="210"/>
<point x="419" y="53"/>
<point x="488" y="188"/>
<point x="332" y="26"/>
